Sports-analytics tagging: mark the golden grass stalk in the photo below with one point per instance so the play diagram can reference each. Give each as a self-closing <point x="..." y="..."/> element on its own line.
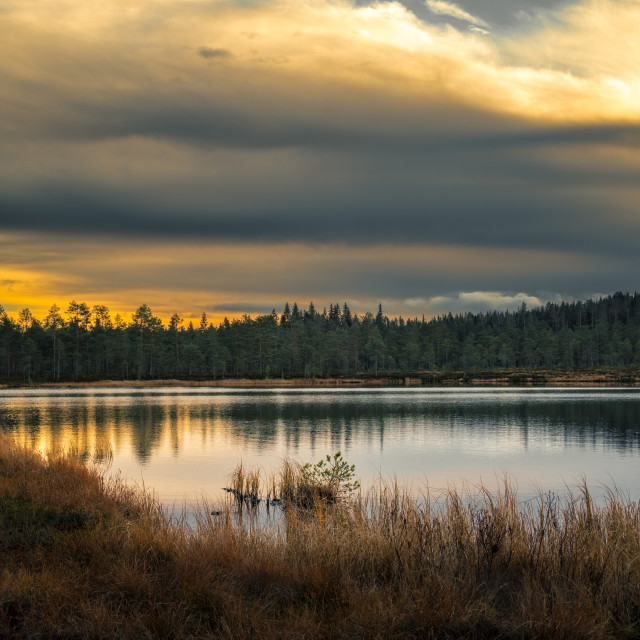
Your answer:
<point x="83" y="556"/>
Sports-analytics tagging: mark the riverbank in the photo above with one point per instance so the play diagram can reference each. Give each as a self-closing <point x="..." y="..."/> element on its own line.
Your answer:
<point x="503" y="378"/>
<point x="85" y="558"/>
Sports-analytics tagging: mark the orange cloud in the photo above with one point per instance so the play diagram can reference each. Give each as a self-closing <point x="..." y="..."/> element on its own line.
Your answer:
<point x="229" y="279"/>
<point x="579" y="66"/>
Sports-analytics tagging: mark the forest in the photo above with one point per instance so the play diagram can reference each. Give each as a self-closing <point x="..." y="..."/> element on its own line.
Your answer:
<point x="82" y="343"/>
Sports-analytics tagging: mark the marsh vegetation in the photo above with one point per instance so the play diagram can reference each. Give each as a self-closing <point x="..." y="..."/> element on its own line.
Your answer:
<point x="84" y="556"/>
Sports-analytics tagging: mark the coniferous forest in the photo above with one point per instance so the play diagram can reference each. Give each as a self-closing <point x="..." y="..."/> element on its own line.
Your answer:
<point x="82" y="343"/>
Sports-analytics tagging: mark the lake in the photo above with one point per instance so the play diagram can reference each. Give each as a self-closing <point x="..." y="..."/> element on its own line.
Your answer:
<point x="182" y="442"/>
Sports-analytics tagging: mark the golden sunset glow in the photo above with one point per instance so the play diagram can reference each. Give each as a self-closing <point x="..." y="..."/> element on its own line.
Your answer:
<point x="579" y="66"/>
<point x="226" y="282"/>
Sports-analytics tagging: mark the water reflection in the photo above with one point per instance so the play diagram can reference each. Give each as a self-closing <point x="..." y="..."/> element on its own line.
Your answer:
<point x="183" y="442"/>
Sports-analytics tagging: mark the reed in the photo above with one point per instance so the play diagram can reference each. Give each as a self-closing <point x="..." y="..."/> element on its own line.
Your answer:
<point x="84" y="556"/>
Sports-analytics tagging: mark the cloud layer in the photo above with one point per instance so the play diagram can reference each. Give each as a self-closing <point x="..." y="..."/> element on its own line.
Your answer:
<point x="344" y="131"/>
<point x="234" y="278"/>
<point x="441" y="7"/>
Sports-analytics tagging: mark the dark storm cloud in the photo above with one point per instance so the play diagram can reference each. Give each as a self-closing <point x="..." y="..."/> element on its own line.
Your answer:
<point x="474" y="216"/>
<point x="422" y="171"/>
<point x="497" y="13"/>
<point x="532" y="187"/>
<point x="204" y="124"/>
<point x="367" y="122"/>
<point x="509" y="13"/>
<point x="210" y="52"/>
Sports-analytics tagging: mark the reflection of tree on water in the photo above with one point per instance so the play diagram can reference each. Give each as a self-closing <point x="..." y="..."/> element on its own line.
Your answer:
<point x="33" y="417"/>
<point x="148" y="423"/>
<point x="9" y="419"/>
<point x="327" y="421"/>
<point x="58" y="425"/>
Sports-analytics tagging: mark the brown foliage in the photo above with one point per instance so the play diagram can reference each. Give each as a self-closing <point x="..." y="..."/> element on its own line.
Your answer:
<point x="386" y="565"/>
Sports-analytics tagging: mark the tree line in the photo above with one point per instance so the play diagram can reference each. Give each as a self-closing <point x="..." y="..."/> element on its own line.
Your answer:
<point x="84" y="343"/>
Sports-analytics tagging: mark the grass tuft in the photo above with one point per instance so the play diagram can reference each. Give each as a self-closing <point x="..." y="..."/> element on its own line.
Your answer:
<point x="86" y="557"/>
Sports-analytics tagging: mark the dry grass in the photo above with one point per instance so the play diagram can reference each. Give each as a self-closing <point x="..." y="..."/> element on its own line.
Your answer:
<point x="82" y="557"/>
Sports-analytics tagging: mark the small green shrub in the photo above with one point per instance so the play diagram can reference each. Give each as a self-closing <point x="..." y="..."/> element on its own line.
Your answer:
<point x="328" y="481"/>
<point x="334" y="474"/>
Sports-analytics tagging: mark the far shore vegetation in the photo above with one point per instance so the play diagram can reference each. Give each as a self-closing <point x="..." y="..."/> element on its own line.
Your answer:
<point x="592" y="342"/>
<point x="84" y="556"/>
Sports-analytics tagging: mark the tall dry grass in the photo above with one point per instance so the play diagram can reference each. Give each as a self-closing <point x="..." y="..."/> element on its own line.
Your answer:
<point x="385" y="565"/>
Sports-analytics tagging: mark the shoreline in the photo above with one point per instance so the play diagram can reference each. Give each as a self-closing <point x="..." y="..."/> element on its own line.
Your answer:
<point x="446" y="379"/>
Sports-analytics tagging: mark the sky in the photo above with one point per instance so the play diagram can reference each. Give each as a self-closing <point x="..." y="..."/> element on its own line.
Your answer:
<point x="227" y="156"/>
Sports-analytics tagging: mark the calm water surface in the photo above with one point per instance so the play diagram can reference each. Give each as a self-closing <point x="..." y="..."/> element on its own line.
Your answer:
<point x="183" y="442"/>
